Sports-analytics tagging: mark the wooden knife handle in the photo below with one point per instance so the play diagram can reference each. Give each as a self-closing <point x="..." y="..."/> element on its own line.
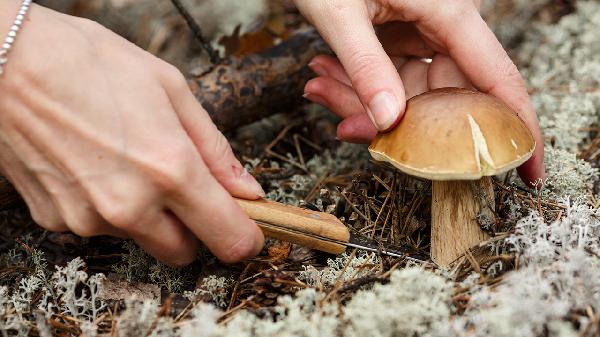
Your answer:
<point x="290" y="222"/>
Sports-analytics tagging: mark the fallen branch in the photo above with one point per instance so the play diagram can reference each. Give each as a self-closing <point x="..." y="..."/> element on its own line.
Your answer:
<point x="240" y="91"/>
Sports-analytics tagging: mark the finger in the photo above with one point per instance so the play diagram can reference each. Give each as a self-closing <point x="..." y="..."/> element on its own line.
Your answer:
<point x="211" y="144"/>
<point x="335" y="95"/>
<point x="482" y="59"/>
<point x="355" y="43"/>
<point x="210" y="212"/>
<point x="64" y="206"/>
<point x="398" y="61"/>
<point x="163" y="236"/>
<point x="205" y="204"/>
<point x="80" y="217"/>
<point x="444" y="72"/>
<point x="328" y="66"/>
<point x="414" y="75"/>
<point x="41" y="206"/>
<point x="403" y="39"/>
<point x="356" y="129"/>
<point x="532" y="172"/>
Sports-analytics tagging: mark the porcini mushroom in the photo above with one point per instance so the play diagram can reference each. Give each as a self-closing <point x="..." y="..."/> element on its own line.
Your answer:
<point x="457" y="138"/>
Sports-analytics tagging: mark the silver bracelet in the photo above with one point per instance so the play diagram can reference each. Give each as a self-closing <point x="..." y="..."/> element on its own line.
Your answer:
<point x="12" y="34"/>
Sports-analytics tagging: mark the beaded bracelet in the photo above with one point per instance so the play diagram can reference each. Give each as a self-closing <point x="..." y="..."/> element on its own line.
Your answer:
<point x="12" y="34"/>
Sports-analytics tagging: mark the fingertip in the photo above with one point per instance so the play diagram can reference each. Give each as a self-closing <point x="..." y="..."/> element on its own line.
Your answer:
<point x="318" y="99"/>
<point x="239" y="182"/>
<point x="252" y="184"/>
<point x="247" y="246"/>
<point x="533" y="172"/>
<point x="356" y="129"/>
<point x="334" y="95"/>
<point x="396" y="121"/>
<point x="259" y="241"/>
<point x="317" y="68"/>
<point x="385" y="110"/>
<point x="315" y="86"/>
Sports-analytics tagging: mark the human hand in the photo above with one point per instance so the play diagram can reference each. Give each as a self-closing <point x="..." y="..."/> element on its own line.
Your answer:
<point x="100" y="137"/>
<point x="365" y="81"/>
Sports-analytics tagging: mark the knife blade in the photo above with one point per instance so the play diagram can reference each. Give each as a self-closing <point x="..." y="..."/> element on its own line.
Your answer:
<point x="316" y="230"/>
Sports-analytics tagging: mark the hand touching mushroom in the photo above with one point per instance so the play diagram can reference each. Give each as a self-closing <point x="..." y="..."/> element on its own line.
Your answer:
<point x="457" y="138"/>
<point x="364" y="82"/>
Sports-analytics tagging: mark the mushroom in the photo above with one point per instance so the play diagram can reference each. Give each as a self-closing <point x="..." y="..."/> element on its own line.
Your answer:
<point x="457" y="138"/>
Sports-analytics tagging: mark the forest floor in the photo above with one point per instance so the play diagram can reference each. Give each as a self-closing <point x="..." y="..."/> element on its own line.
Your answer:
<point x="538" y="275"/>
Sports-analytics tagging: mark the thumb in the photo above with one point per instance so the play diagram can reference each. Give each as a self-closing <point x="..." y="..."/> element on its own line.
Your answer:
<point x="347" y="28"/>
<point x="214" y="147"/>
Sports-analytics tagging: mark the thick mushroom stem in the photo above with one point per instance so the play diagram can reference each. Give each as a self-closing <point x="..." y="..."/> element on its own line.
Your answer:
<point x="457" y="208"/>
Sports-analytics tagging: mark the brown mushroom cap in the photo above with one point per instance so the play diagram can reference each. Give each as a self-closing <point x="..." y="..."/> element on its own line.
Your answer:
<point x="455" y="134"/>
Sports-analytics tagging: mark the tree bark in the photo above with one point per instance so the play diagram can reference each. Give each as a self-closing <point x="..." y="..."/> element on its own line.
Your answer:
<point x="241" y="91"/>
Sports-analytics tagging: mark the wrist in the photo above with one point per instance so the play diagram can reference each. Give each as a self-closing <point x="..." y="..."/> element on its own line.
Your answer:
<point x="11" y="36"/>
<point x="8" y="10"/>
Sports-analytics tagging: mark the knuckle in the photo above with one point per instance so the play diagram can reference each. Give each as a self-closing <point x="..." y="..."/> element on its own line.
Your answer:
<point x="83" y="229"/>
<point x="451" y="11"/>
<point x="509" y="76"/>
<point x="48" y="219"/>
<point x="84" y="225"/>
<point x="221" y="147"/>
<point x="511" y="71"/>
<point x="172" y="175"/>
<point x="119" y="214"/>
<point x="458" y="7"/>
<point x="363" y="65"/>
<point x="50" y="223"/>
<point x="173" y="76"/>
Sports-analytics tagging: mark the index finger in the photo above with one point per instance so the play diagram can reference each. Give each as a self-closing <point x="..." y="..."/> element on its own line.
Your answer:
<point x="346" y="26"/>
<point x="209" y="211"/>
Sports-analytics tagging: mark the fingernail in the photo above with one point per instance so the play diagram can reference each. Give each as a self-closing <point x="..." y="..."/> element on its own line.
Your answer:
<point x="252" y="183"/>
<point x="315" y="99"/>
<point x="383" y="110"/>
<point x="318" y="69"/>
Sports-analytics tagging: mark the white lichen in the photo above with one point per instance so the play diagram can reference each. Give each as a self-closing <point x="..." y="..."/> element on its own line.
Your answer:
<point x="213" y="287"/>
<point x="341" y="269"/>
<point x="414" y="303"/>
<point x="567" y="176"/>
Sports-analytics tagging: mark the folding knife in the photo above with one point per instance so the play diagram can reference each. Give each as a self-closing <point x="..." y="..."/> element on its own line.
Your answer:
<point x="316" y="230"/>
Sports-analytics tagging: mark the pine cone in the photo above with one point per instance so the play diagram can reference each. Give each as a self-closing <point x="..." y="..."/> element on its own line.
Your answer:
<point x="266" y="289"/>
